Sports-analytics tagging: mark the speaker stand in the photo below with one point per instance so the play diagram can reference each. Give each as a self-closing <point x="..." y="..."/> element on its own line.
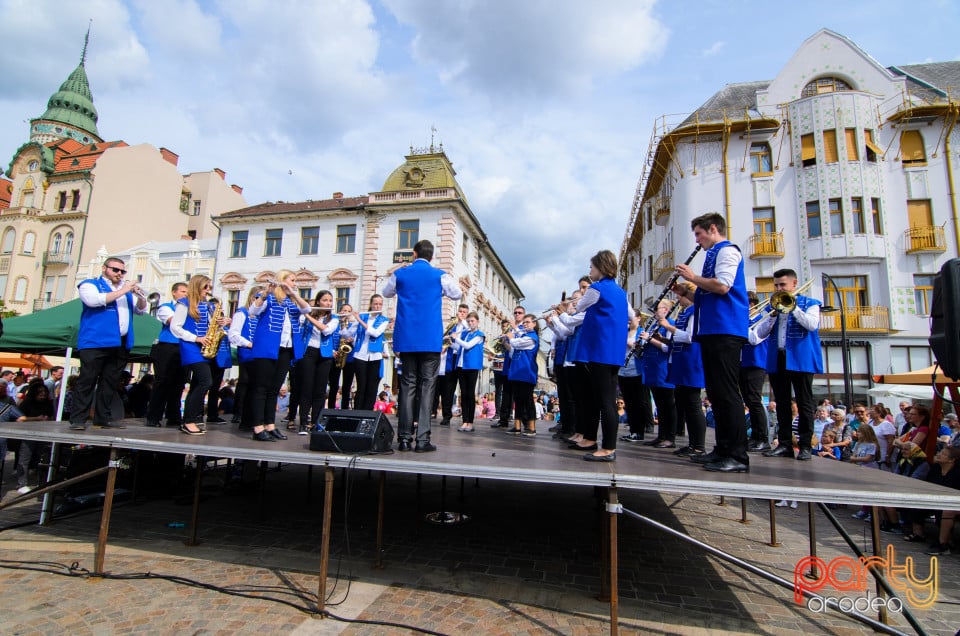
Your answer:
<point x="445" y="517"/>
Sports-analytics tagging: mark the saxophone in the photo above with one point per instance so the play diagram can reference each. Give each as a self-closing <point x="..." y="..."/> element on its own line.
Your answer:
<point x="448" y="333"/>
<point x="214" y="333"/>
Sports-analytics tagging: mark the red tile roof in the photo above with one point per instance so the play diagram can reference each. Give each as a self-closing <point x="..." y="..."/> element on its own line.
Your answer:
<point x="72" y="156"/>
<point x="6" y="191"/>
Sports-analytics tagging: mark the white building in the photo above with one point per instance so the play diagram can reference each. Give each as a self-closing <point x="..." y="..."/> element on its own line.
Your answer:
<point x="350" y="245"/>
<point x="838" y="165"/>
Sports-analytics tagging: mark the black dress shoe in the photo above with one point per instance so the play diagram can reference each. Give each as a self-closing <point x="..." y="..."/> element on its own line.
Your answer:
<point x="652" y="442"/>
<point x="591" y="447"/>
<point x="804" y="454"/>
<point x="780" y="451"/>
<point x="264" y="436"/>
<point x="153" y="423"/>
<point x="444" y="422"/>
<point x="424" y="447"/>
<point x="404" y="445"/>
<point x="109" y="425"/>
<point x="758" y="447"/>
<point x="590" y="457"/>
<point x="727" y="465"/>
<point x="235" y="420"/>
<point x="277" y="434"/>
<point x="216" y="420"/>
<point x="665" y="444"/>
<point x="686" y="451"/>
<point x="706" y="458"/>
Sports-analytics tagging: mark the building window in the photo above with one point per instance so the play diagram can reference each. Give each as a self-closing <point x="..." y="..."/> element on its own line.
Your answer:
<point x="649" y="266"/>
<point x="346" y="239"/>
<point x="836" y="217"/>
<point x="233" y="301"/>
<point x="408" y="233"/>
<point x="465" y="248"/>
<point x="305" y="292"/>
<point x="912" y="152"/>
<point x="760" y="162"/>
<point x="74" y="199"/>
<point x="872" y="150"/>
<point x="9" y="240"/>
<point x="631" y="264"/>
<point x="808" y="151"/>
<point x="196" y="208"/>
<point x="68" y="244"/>
<point x="919" y="213"/>
<point x="875" y="213"/>
<point x="823" y="85"/>
<point x="830" y="152"/>
<point x="3" y="285"/>
<point x="763" y="221"/>
<point x="850" y="137"/>
<point x="764" y="287"/>
<point x="923" y="293"/>
<point x="903" y="359"/>
<point x="813" y="219"/>
<point x="343" y="297"/>
<point x="56" y="242"/>
<point x="854" y="290"/>
<point x="61" y="200"/>
<point x="29" y="242"/>
<point x="273" y="242"/>
<point x="20" y="290"/>
<point x="238" y="246"/>
<point x="310" y="240"/>
<point x="856" y="211"/>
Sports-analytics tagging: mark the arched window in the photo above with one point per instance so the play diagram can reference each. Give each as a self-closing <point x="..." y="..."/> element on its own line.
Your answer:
<point x="20" y="290"/>
<point x="9" y="240"/>
<point x="56" y="243"/>
<point x="912" y="151"/>
<point x="29" y="242"/>
<point x="26" y="196"/>
<point x="68" y="245"/>
<point x="823" y="85"/>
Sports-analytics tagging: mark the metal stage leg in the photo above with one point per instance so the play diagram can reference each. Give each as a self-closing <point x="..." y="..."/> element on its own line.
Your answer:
<point x="743" y="511"/>
<point x="773" y="526"/>
<point x="309" y="483"/>
<point x="812" y="532"/>
<point x="195" y="512"/>
<point x="877" y="551"/>
<point x="325" y="538"/>
<point x="105" y="515"/>
<point x="613" y="511"/>
<point x="46" y="508"/>
<point x="381" y="498"/>
<point x="723" y="501"/>
<point x="602" y="524"/>
<point x="261" y="488"/>
<point x="444" y="517"/>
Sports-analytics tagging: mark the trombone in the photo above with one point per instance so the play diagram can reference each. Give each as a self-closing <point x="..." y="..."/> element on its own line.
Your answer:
<point x="782" y="301"/>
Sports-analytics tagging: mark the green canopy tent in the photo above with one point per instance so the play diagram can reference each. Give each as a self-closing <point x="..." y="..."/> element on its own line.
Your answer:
<point x="54" y="332"/>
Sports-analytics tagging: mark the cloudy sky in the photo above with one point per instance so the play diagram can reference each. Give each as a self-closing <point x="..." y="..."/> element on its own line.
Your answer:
<point x="545" y="107"/>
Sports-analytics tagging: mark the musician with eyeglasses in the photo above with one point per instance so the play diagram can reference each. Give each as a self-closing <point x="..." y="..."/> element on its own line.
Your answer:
<point x="793" y="357"/>
<point x="104" y="341"/>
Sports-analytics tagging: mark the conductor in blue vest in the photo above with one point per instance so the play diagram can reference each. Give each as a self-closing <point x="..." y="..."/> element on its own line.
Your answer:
<point x="418" y="338"/>
<point x="104" y="341"/>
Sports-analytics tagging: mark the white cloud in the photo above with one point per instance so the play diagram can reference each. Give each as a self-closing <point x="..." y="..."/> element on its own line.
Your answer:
<point x="714" y="48"/>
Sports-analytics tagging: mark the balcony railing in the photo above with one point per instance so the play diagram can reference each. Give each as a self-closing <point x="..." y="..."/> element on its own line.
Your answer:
<point x="40" y="305"/>
<point x="875" y="319"/>
<point x="664" y="264"/>
<point x="766" y="245"/>
<point x="662" y="215"/>
<point x="922" y="239"/>
<point x="56" y="258"/>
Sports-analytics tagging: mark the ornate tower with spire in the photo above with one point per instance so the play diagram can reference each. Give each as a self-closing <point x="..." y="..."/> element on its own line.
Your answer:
<point x="70" y="111"/>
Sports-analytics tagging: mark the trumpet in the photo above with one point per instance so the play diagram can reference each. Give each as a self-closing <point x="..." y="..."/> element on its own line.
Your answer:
<point x="781" y="301"/>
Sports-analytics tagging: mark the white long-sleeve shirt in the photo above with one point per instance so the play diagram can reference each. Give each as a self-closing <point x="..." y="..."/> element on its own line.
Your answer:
<point x="809" y="319"/>
<point x="93" y="297"/>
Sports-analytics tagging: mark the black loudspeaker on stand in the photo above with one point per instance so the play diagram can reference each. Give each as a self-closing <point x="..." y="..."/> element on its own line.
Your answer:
<point x="945" y="319"/>
<point x="352" y="432"/>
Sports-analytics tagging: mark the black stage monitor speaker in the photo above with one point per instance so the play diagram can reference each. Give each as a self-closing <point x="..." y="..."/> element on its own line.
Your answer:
<point x="352" y="432"/>
<point x="945" y="319"/>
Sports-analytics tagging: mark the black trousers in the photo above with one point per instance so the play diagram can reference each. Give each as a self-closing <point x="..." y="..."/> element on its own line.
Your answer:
<point x="418" y="382"/>
<point x="294" y="391"/>
<point x="200" y="382"/>
<point x="313" y="372"/>
<point x="586" y="401"/>
<point x="802" y="384"/>
<point x="721" y="373"/>
<point x="688" y="403"/>
<point x="213" y="394"/>
<point x="346" y="390"/>
<point x="267" y="377"/>
<point x="468" y="393"/>
<point x="636" y="401"/>
<point x="499" y="380"/>
<point x="603" y="384"/>
<point x="568" y="408"/>
<point x="523" y="400"/>
<point x="333" y="387"/>
<point x="368" y="379"/>
<point x="97" y="383"/>
<point x="666" y="413"/>
<point x="751" y="388"/>
<point x="241" y="401"/>
<point x="168" y="381"/>
<point x="506" y="404"/>
<point x="448" y="390"/>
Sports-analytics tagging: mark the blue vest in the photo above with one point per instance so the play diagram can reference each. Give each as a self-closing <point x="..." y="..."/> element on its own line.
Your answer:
<point x="655" y="363"/>
<point x="803" y="347"/>
<point x="605" y="325"/>
<point x="453" y="357"/>
<point x="523" y="364"/>
<point x="559" y="351"/>
<point x="722" y="314"/>
<point x="165" y="334"/>
<point x="266" y="339"/>
<point x="190" y="351"/>
<point x="374" y="345"/>
<point x="419" y="326"/>
<point x="249" y="328"/>
<point x="100" y="326"/>
<point x="326" y="342"/>
<point x="224" y="357"/>
<point x="472" y="358"/>
<point x="686" y="365"/>
<point x="573" y="347"/>
<point x="754" y="356"/>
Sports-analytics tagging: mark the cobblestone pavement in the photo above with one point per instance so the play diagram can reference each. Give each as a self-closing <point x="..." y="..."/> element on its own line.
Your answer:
<point x="526" y="562"/>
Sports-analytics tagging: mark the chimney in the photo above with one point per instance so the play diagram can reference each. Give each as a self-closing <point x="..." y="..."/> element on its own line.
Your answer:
<point x="223" y="175"/>
<point x="169" y="155"/>
<point x="338" y="195"/>
<point x="237" y="189"/>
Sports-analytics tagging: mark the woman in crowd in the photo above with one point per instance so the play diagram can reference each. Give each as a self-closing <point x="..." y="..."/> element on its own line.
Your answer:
<point x="885" y="432"/>
<point x="242" y="328"/>
<point x="522" y="347"/>
<point x="945" y="473"/>
<point x="469" y="363"/>
<point x="368" y="352"/>
<point x="918" y="421"/>
<point x="192" y="325"/>
<point x="276" y="343"/>
<point x="314" y="367"/>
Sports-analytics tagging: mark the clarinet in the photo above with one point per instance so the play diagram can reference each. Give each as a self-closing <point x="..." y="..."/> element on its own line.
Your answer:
<point x="637" y="350"/>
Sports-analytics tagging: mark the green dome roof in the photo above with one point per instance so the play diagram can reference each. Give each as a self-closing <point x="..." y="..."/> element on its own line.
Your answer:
<point x="423" y="170"/>
<point x="73" y="103"/>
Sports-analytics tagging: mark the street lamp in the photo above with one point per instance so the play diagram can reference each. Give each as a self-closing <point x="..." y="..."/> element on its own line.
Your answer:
<point x="844" y="344"/>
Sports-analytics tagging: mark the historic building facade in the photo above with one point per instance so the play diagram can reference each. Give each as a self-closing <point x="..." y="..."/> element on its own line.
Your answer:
<point x="350" y="245"/>
<point x="837" y="166"/>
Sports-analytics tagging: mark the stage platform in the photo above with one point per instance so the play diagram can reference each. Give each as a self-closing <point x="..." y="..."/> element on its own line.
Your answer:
<point x="490" y="453"/>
